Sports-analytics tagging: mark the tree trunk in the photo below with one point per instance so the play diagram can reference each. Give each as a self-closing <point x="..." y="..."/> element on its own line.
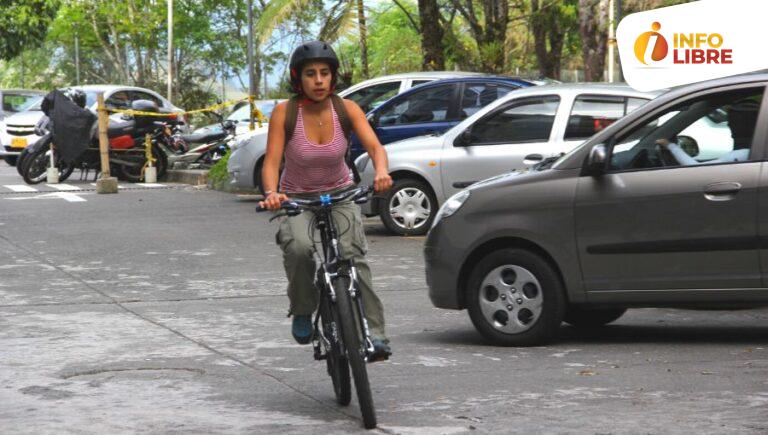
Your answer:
<point x="431" y="36"/>
<point x="593" y="28"/>
<point x="548" y="38"/>
<point x="363" y="38"/>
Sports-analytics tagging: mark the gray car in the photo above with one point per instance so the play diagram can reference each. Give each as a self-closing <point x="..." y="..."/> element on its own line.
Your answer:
<point x="518" y="130"/>
<point x="646" y="213"/>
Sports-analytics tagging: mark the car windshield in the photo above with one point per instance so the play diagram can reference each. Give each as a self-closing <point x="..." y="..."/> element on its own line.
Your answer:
<point x="13" y="102"/>
<point x="241" y="114"/>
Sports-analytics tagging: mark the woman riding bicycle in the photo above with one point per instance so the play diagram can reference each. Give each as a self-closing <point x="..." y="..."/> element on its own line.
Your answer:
<point x="315" y="163"/>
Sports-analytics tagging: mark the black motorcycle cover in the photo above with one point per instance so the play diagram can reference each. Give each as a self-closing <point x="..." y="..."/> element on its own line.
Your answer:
<point x="71" y="125"/>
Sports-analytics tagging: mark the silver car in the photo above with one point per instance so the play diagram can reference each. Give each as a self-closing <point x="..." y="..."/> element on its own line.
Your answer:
<point x="244" y="165"/>
<point x="521" y="129"/>
<point x="649" y="212"/>
<point x="19" y="129"/>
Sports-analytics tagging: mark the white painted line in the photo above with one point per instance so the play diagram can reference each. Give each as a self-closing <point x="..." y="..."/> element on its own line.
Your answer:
<point x="67" y="196"/>
<point x="150" y="185"/>
<point x="64" y="187"/>
<point x="20" y="188"/>
<point x="119" y="186"/>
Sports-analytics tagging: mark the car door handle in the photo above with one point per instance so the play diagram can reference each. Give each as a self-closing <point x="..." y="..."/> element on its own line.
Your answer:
<point x="463" y="184"/>
<point x="532" y="159"/>
<point x="722" y="191"/>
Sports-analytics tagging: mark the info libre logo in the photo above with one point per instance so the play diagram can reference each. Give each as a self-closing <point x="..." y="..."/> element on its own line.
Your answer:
<point x="688" y="48"/>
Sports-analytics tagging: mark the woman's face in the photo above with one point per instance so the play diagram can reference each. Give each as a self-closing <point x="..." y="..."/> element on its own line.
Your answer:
<point x="316" y="80"/>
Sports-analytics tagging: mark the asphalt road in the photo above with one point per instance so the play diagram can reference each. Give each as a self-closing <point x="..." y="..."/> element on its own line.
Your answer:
<point x="161" y="309"/>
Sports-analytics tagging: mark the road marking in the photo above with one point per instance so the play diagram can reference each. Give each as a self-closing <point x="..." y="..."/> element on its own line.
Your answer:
<point x="67" y="196"/>
<point x="20" y="188"/>
<point x="150" y="185"/>
<point x="64" y="187"/>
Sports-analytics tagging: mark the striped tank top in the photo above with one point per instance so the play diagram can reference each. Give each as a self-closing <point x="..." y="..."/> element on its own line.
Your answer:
<point x="311" y="167"/>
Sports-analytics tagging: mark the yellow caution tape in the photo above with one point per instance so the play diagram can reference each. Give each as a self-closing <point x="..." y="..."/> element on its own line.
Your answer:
<point x="256" y="112"/>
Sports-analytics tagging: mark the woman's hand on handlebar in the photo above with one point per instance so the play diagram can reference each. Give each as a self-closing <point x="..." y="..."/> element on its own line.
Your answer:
<point x="382" y="182"/>
<point x="273" y="201"/>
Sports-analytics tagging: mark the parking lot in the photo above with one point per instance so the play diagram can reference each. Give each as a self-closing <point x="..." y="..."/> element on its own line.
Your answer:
<point x="162" y="309"/>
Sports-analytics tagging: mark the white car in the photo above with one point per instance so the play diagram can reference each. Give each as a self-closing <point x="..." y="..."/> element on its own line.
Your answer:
<point x="521" y="129"/>
<point x="19" y="128"/>
<point x="244" y="165"/>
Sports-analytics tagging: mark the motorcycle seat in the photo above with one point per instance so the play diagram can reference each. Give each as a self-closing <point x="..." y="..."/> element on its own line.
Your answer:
<point x="203" y="137"/>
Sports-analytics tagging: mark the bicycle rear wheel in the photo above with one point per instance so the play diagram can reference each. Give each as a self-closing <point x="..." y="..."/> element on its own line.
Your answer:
<point x="338" y="368"/>
<point x="353" y="343"/>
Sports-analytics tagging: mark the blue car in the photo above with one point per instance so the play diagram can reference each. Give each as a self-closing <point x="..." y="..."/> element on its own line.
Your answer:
<point x="435" y="107"/>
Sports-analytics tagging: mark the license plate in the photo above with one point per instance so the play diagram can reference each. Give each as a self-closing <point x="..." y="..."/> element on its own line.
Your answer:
<point x="19" y="142"/>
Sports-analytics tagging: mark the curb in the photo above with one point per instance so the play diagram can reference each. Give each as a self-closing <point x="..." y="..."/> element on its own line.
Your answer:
<point x="195" y="177"/>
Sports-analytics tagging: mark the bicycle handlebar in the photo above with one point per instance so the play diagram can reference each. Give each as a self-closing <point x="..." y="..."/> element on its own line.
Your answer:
<point x="296" y="204"/>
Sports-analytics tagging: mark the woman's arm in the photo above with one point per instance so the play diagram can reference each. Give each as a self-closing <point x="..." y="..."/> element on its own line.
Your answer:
<point x="367" y="136"/>
<point x="270" y="171"/>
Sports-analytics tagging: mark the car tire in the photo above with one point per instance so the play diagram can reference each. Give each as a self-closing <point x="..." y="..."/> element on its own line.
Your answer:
<point x="582" y="317"/>
<point x="515" y="298"/>
<point x="420" y="207"/>
<point x="11" y="160"/>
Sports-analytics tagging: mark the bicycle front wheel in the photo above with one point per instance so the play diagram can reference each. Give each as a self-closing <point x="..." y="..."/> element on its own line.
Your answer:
<point x="336" y="361"/>
<point x="352" y="334"/>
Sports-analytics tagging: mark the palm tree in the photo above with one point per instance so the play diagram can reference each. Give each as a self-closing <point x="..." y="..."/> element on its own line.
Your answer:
<point x="340" y="20"/>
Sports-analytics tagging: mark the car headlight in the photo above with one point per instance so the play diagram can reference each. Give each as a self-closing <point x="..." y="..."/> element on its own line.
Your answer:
<point x="451" y="206"/>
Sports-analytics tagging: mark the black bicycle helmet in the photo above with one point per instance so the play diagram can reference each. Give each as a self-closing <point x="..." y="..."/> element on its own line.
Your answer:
<point x="312" y="51"/>
<point x="75" y="95"/>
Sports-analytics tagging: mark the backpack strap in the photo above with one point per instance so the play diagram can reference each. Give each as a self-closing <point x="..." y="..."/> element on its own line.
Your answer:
<point x="291" y="115"/>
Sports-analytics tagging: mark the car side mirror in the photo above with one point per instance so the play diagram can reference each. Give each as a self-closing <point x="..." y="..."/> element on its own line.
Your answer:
<point x="689" y="145"/>
<point x="464" y="138"/>
<point x="597" y="159"/>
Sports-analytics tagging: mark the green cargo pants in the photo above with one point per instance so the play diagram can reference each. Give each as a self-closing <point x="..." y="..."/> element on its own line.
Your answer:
<point x="293" y="237"/>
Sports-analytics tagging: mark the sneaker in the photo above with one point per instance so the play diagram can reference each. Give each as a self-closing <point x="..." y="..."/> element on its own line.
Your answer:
<point x="381" y="351"/>
<point x="302" y="329"/>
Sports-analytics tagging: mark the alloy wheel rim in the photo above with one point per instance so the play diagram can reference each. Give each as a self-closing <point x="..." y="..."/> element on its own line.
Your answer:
<point x="511" y="299"/>
<point x="410" y="208"/>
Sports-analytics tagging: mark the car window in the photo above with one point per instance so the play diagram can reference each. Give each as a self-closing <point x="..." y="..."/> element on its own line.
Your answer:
<point x="426" y="105"/>
<point x="371" y="97"/>
<point x="19" y="102"/>
<point x="118" y="100"/>
<point x="138" y="95"/>
<point x="592" y="113"/>
<point x="689" y="133"/>
<point x="475" y="97"/>
<point x="529" y="120"/>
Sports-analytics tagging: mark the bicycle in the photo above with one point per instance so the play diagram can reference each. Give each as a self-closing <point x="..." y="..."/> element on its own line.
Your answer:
<point x="344" y="339"/>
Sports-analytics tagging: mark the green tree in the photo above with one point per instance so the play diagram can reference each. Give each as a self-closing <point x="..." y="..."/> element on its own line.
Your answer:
<point x="24" y="24"/>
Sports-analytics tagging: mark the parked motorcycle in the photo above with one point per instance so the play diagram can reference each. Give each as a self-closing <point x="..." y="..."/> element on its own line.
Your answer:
<point x="127" y="151"/>
<point x="200" y="150"/>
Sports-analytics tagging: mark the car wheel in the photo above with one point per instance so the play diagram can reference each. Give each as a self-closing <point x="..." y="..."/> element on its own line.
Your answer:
<point x="408" y="208"/>
<point x="581" y="317"/>
<point x="11" y="160"/>
<point x="515" y="298"/>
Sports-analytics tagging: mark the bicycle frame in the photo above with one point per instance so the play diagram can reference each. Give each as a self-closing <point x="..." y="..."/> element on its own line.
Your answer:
<point x="333" y="264"/>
